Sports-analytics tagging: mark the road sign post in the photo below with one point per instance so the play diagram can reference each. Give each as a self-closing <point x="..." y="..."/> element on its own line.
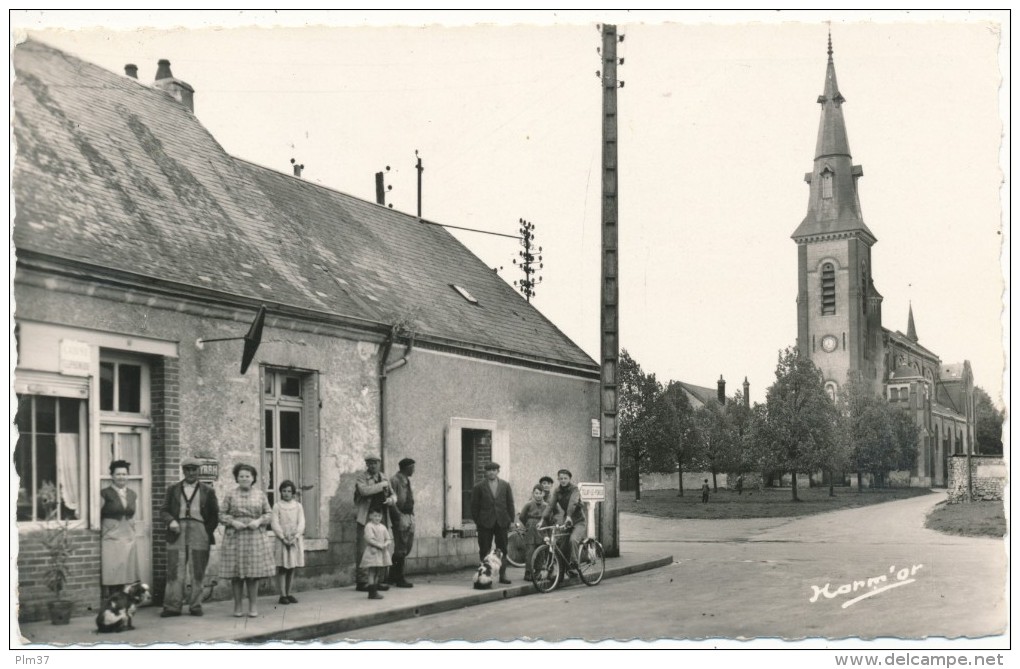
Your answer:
<point x="591" y="495"/>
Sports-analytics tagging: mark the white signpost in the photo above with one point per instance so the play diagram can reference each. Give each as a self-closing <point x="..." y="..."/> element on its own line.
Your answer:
<point x="592" y="494"/>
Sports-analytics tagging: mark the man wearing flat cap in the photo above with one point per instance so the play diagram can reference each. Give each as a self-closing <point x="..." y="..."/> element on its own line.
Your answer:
<point x="492" y="509"/>
<point x="371" y="493"/>
<point x="191" y="513"/>
<point x="402" y="519"/>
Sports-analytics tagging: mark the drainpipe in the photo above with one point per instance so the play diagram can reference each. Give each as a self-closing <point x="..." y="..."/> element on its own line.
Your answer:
<point x="385" y="369"/>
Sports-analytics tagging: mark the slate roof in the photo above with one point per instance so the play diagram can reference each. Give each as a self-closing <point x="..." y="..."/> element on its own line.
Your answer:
<point x="700" y="393"/>
<point x="115" y="174"/>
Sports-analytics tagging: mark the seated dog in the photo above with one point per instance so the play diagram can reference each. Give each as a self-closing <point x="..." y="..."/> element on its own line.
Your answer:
<point x="119" y="608"/>
<point x="488" y="570"/>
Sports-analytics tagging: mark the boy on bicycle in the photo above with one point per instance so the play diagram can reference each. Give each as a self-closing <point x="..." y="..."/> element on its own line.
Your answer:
<point x="566" y="501"/>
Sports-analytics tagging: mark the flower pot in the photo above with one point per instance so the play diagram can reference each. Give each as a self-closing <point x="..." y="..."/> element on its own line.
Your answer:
<point x="60" y="611"/>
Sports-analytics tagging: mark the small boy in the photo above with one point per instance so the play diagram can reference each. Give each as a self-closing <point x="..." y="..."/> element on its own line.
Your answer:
<point x="529" y="518"/>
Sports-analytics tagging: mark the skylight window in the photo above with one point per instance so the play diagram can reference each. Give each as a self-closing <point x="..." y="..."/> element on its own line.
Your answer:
<point x="464" y="293"/>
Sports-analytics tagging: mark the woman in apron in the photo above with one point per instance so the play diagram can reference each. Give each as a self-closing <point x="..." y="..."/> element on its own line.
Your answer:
<point x="119" y="553"/>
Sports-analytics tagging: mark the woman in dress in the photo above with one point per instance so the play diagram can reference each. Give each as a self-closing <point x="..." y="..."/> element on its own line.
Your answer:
<point x="118" y="551"/>
<point x="288" y="525"/>
<point x="245" y="556"/>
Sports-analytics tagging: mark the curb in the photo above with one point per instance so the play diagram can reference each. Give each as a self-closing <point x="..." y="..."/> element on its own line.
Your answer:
<point x="332" y="627"/>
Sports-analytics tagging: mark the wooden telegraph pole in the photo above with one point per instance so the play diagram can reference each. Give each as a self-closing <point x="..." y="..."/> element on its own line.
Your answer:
<point x="609" y="529"/>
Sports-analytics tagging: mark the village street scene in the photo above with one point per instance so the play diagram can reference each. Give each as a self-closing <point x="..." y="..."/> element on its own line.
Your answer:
<point x="507" y="331"/>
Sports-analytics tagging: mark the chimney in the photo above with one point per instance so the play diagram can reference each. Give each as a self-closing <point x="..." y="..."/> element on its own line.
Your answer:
<point x="179" y="90"/>
<point x="297" y="167"/>
<point x="747" y="393"/>
<point x="131" y="70"/>
<point x="721" y="396"/>
<point x="380" y="190"/>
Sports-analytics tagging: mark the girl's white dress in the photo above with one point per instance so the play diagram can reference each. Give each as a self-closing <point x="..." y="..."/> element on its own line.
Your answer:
<point x="288" y="519"/>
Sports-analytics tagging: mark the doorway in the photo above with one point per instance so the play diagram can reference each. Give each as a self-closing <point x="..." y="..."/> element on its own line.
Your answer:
<point x="125" y="430"/>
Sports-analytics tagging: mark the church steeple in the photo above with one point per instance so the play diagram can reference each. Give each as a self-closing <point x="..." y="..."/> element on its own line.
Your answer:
<point x="911" y="330"/>
<point x="833" y="205"/>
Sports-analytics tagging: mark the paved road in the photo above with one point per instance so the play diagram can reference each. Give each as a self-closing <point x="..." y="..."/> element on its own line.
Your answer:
<point x="747" y="579"/>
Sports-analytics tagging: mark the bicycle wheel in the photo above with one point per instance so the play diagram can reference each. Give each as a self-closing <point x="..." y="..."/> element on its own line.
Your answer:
<point x="545" y="569"/>
<point x="516" y="549"/>
<point x="591" y="563"/>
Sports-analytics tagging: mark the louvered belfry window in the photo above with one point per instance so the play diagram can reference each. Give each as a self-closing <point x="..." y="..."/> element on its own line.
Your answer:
<point x="828" y="289"/>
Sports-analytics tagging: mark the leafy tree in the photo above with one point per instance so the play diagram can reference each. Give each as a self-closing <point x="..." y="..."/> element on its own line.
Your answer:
<point x="797" y="429"/>
<point x="876" y="436"/>
<point x="719" y="441"/>
<point x="677" y="438"/>
<point x="637" y="394"/>
<point x="740" y="419"/>
<point x="989" y="421"/>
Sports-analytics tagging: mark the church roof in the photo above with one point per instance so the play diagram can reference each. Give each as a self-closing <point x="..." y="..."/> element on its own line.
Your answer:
<point x="911" y="330"/>
<point x="953" y="371"/>
<point x="119" y="176"/>
<point x="905" y="342"/>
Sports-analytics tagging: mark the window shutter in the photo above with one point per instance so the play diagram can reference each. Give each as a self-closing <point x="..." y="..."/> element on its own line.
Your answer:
<point x="454" y="517"/>
<point x="310" y="456"/>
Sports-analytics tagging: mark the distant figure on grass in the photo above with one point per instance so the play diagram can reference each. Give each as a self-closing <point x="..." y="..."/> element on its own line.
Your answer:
<point x="704" y="492"/>
<point x="740" y="485"/>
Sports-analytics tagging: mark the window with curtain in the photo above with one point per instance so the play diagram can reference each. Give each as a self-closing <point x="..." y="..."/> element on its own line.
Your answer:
<point x="50" y="456"/>
<point x="283" y="418"/>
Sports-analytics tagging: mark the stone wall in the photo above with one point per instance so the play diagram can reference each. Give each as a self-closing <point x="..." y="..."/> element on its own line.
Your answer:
<point x="692" y="481"/>
<point x="988" y="478"/>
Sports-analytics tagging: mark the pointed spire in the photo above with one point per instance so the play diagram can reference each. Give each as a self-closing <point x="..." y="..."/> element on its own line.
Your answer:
<point x="911" y="330"/>
<point x="832" y="130"/>
<point x="833" y="205"/>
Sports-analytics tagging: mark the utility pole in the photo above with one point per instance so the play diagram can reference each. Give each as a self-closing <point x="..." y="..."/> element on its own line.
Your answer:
<point x="420" y="170"/>
<point x="609" y="526"/>
<point x="529" y="257"/>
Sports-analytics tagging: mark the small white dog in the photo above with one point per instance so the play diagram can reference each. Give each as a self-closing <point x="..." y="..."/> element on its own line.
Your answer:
<point x="488" y="570"/>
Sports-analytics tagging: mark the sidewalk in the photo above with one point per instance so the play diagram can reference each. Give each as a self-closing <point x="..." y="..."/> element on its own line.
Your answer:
<point x="319" y="613"/>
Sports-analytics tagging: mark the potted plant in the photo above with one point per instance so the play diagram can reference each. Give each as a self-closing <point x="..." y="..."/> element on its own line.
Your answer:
<point x="58" y="548"/>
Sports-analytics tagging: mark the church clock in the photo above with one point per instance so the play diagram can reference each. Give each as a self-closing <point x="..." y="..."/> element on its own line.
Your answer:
<point x="828" y="343"/>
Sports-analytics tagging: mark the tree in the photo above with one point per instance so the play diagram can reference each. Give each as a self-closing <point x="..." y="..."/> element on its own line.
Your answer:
<point x="988" y="421"/>
<point x="740" y="418"/>
<point x="798" y="425"/>
<point x="719" y="445"/>
<point x="876" y="436"/>
<point x="637" y="393"/>
<point x="676" y="438"/>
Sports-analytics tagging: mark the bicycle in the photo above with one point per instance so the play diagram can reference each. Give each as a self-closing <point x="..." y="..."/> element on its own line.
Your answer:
<point x="548" y="562"/>
<point x="516" y="548"/>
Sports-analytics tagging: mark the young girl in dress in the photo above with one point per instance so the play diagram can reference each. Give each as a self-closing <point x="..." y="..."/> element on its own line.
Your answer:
<point x="530" y="517"/>
<point x="378" y="551"/>
<point x="288" y="523"/>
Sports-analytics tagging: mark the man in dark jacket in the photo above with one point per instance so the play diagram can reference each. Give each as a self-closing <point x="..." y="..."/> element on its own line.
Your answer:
<point x="402" y="521"/>
<point x="191" y="513"/>
<point x="492" y="509"/>
<point x="566" y="504"/>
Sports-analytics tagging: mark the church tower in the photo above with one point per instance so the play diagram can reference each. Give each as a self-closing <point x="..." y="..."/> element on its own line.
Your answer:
<point x="838" y="309"/>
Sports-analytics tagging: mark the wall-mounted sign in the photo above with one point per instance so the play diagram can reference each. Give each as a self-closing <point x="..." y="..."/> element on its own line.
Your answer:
<point x="592" y="492"/>
<point x="75" y="357"/>
<point x="596" y="428"/>
<point x="208" y="470"/>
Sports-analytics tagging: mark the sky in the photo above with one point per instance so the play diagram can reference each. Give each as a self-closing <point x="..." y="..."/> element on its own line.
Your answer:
<point x="718" y="120"/>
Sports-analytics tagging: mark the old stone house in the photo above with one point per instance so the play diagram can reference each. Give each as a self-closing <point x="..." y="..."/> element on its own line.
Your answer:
<point x="137" y="236"/>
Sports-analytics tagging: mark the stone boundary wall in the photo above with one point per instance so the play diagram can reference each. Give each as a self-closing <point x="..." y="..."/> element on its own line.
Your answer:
<point x="988" y="476"/>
